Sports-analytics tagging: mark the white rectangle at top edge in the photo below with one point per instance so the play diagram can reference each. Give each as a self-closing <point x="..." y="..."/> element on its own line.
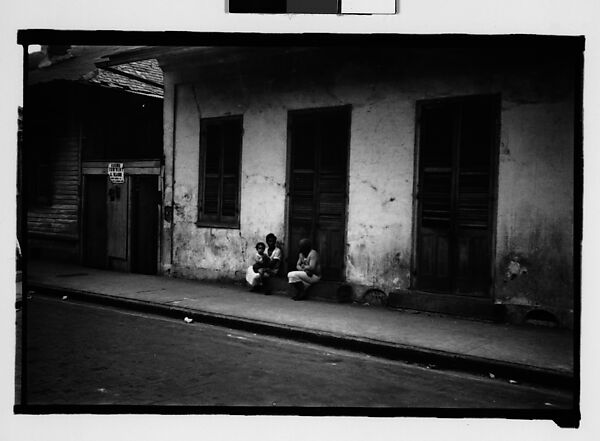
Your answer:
<point x="368" y="6"/>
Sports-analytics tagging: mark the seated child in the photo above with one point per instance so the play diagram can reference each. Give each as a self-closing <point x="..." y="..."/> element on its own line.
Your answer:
<point x="262" y="260"/>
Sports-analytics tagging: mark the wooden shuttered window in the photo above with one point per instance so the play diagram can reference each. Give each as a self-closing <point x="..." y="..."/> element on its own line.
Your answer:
<point x="457" y="170"/>
<point x="220" y="162"/>
<point x="318" y="185"/>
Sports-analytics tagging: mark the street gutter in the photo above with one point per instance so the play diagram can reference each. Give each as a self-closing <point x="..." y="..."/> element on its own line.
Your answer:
<point x="430" y="358"/>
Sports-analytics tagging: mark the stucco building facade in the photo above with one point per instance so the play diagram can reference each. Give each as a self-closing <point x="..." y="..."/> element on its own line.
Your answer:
<point x="441" y="178"/>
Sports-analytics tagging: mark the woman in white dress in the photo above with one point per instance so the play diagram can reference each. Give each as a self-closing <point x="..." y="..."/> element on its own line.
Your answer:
<point x="308" y="270"/>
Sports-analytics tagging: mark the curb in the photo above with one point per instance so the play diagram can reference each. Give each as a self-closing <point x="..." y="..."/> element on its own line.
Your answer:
<point x="434" y="359"/>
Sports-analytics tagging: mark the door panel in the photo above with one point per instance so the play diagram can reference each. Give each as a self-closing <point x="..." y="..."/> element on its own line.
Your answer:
<point x="318" y="181"/>
<point x="434" y="260"/>
<point x="456" y="175"/>
<point x="473" y="260"/>
<point x="117" y="200"/>
<point x="145" y="205"/>
<point x="94" y="221"/>
<point x="331" y="253"/>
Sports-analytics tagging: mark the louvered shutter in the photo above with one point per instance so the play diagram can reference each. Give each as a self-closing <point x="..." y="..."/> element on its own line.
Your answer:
<point x="231" y="167"/>
<point x="456" y="145"/>
<point x="435" y="198"/>
<point x="220" y="156"/>
<point x="319" y="152"/>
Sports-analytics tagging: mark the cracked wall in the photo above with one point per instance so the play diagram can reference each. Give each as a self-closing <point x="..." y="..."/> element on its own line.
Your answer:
<point x="223" y="253"/>
<point x="535" y="214"/>
<point x="535" y="185"/>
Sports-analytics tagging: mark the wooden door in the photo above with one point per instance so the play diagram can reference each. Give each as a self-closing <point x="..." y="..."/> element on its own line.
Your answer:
<point x="318" y="181"/>
<point x="94" y="221"/>
<point x="144" y="226"/>
<point x="457" y="148"/>
<point x="117" y="220"/>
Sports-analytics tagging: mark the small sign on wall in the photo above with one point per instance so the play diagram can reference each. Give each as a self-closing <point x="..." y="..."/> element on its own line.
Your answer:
<point x="116" y="173"/>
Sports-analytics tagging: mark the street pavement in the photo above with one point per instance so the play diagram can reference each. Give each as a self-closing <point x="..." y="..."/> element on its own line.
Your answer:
<point x="512" y="352"/>
<point x="85" y="354"/>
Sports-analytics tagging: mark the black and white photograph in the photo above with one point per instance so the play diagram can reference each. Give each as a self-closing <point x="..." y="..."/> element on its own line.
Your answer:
<point x="356" y="225"/>
<point x="312" y="225"/>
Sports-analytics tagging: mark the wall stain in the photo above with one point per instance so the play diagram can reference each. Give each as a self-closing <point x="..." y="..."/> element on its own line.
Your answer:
<point x="369" y="184"/>
<point x="179" y="210"/>
<point x="267" y="179"/>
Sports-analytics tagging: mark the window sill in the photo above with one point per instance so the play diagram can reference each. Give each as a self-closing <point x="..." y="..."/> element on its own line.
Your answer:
<point x="213" y="224"/>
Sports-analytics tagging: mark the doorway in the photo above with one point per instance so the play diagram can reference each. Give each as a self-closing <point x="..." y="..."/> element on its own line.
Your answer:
<point x="455" y="194"/>
<point x="94" y="221"/>
<point x="145" y="201"/>
<point x="120" y="228"/>
<point x="319" y="143"/>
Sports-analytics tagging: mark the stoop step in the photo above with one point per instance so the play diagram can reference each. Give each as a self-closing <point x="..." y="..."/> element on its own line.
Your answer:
<point x="324" y="290"/>
<point x="457" y="305"/>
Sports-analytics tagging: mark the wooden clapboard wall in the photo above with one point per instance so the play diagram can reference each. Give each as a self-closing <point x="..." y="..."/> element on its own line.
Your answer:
<point x="59" y="219"/>
<point x="53" y="172"/>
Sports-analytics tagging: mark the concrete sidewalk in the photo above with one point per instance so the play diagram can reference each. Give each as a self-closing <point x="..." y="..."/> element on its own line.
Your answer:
<point x="525" y="353"/>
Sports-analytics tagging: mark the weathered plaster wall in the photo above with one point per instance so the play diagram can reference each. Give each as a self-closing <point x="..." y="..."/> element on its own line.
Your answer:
<point x="535" y="197"/>
<point x="216" y="253"/>
<point x="380" y="194"/>
<point x="380" y="181"/>
<point x="534" y="251"/>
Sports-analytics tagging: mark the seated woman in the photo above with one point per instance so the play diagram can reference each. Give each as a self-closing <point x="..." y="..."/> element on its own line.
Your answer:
<point x="266" y="265"/>
<point x="308" y="270"/>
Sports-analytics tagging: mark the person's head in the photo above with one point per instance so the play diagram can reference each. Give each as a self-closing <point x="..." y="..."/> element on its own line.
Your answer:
<point x="260" y="247"/>
<point x="271" y="240"/>
<point x="305" y="246"/>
